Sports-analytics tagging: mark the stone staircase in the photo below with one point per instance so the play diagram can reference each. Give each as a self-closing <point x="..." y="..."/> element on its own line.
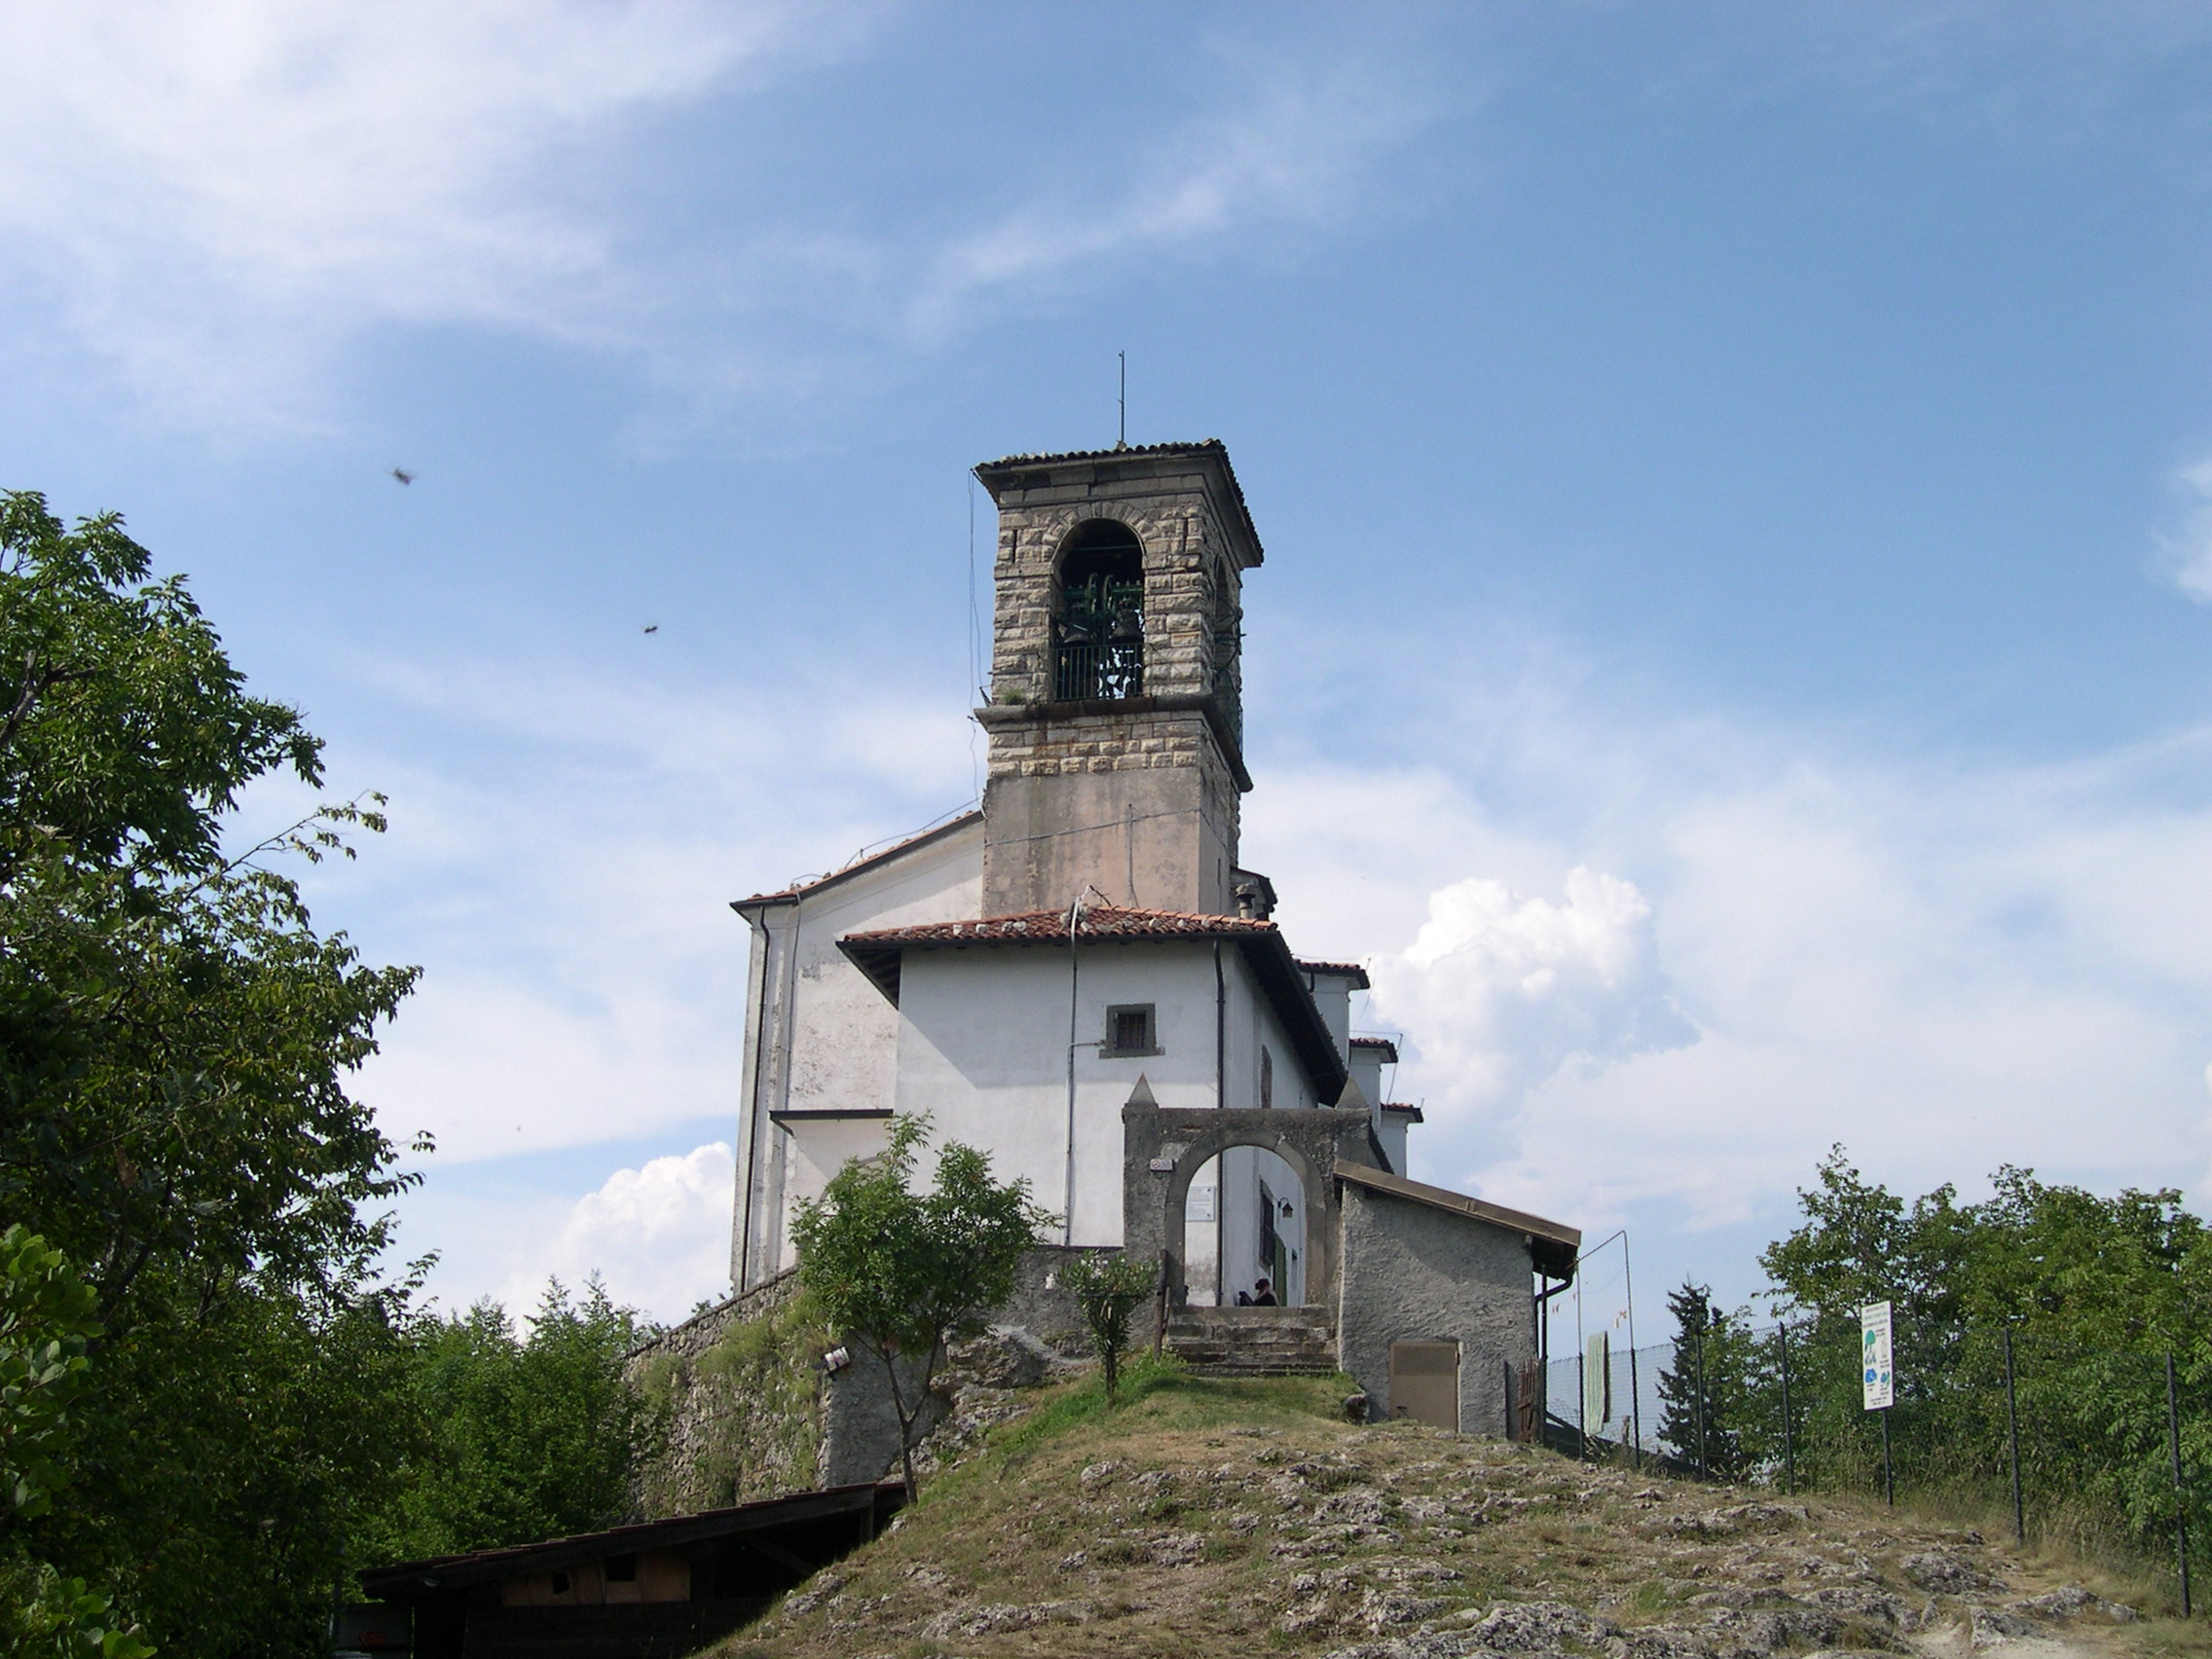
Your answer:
<point x="1254" y="1342"/>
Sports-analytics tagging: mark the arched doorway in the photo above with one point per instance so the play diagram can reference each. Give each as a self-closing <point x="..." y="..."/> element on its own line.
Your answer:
<point x="1245" y="1220"/>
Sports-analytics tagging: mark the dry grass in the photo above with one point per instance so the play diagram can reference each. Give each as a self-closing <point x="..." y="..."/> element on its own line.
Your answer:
<point x="1201" y="1517"/>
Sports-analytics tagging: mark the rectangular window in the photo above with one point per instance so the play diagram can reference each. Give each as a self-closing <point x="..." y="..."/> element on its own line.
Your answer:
<point x="1129" y="1030"/>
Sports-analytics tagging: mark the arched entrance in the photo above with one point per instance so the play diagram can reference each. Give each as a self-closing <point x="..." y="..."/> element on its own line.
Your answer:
<point x="1166" y="1150"/>
<point x="1243" y="1223"/>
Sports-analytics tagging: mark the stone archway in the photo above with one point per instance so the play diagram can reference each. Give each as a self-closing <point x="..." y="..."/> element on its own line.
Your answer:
<point x="1163" y="1148"/>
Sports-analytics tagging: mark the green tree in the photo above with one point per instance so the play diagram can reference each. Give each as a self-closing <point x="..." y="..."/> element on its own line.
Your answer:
<point x="175" y="1046"/>
<point x="902" y="1272"/>
<point x="46" y="1321"/>
<point x="1109" y="1287"/>
<point x="1706" y="1396"/>
<point x="2089" y="1293"/>
<point x="527" y="1437"/>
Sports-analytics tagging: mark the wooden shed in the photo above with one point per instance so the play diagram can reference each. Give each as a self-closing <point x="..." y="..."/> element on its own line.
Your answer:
<point x="662" y="1588"/>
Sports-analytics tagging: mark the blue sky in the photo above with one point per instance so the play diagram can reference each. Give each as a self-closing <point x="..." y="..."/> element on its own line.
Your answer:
<point x="1737" y="484"/>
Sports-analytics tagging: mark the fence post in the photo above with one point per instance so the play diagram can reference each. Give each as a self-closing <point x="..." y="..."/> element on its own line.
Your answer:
<point x="1635" y="1404"/>
<point x="1582" y="1406"/>
<point x="2013" y="1435"/>
<point x="1788" y="1439"/>
<point x="1889" y="1475"/>
<point x="2181" y="1496"/>
<point x="1699" y="1419"/>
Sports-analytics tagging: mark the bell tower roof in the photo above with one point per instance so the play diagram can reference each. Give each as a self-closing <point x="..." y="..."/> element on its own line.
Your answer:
<point x="1128" y="470"/>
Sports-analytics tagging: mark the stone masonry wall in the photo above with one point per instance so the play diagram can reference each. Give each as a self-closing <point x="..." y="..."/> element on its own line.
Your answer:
<point x="1193" y="595"/>
<point x="741" y="1386"/>
<point x="1414" y="1273"/>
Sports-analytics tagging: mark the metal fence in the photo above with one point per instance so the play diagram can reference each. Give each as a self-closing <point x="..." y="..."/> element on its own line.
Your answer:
<point x="2103" y="1446"/>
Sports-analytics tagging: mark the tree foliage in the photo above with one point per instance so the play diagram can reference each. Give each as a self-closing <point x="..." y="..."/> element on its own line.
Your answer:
<point x="176" y="1044"/>
<point x="1108" y="1288"/>
<point x="1707" y="1397"/>
<point x="525" y="1436"/>
<point x="46" y="1321"/>
<point x="902" y="1272"/>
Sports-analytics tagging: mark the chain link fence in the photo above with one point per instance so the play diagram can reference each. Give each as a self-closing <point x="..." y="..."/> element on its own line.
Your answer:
<point x="2102" y="1449"/>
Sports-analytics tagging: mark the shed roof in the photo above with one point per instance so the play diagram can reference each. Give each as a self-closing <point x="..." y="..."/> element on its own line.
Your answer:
<point x="1552" y="1244"/>
<point x="879" y="953"/>
<point x="413" y="1580"/>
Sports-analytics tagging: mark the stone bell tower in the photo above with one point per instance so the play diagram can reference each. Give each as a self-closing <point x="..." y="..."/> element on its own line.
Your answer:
<point x="1116" y="712"/>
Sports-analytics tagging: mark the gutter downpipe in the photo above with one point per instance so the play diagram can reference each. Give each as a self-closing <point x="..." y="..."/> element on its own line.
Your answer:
<point x="1067" y="1205"/>
<point x="1220" y="1036"/>
<point x="1220" y="1102"/>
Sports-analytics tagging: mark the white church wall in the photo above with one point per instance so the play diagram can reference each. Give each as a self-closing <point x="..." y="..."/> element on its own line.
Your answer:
<point x="983" y="1048"/>
<point x="819" y="1034"/>
<point x="1332" y="995"/>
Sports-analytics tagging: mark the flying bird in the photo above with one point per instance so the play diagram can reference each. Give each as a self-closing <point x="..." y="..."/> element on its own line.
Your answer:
<point x="652" y="627"/>
<point x="403" y="476"/>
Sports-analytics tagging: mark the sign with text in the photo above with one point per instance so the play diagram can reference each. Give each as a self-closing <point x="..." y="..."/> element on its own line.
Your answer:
<point x="1877" y="1369"/>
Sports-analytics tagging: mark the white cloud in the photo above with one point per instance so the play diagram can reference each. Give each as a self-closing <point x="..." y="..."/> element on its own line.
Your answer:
<point x="2188" y="552"/>
<point x="1499" y="992"/>
<point x="220" y="202"/>
<point x="657" y="1236"/>
<point x="218" y="196"/>
<point x="568" y="886"/>
<point x="1945" y="968"/>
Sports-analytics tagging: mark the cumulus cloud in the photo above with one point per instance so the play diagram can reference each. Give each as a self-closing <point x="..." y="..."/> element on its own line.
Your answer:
<point x="1943" y="967"/>
<point x="657" y="1236"/>
<point x="1499" y="991"/>
<point x="570" y="890"/>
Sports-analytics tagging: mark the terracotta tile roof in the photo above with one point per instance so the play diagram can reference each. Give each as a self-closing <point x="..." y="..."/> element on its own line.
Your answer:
<point x="1412" y="1112"/>
<point x="1389" y="1047"/>
<point x="1336" y="971"/>
<point x="1041" y="927"/>
<point x="1203" y="445"/>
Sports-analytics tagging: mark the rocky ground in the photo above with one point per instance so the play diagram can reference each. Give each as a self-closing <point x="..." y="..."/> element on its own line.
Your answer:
<point x="1218" y="1517"/>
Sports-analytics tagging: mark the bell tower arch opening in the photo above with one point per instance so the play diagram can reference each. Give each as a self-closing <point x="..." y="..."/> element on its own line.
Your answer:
<point x="1098" y="613"/>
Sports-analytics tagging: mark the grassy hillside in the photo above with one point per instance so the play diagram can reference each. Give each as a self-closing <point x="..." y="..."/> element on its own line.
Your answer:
<point x="1201" y="1518"/>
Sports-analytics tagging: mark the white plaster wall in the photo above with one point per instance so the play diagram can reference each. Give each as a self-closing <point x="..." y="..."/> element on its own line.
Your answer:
<point x="819" y="1034"/>
<point x="1332" y="995"/>
<point x="983" y="1048"/>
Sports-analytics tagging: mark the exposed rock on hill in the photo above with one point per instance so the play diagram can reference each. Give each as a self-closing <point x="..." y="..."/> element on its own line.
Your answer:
<point x="1231" y="1518"/>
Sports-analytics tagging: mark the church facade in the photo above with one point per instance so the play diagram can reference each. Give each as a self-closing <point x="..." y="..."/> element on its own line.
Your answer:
<point x="1084" y="980"/>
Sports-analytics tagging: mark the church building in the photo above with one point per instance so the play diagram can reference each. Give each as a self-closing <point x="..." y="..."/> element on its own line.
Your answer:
<point x="1084" y="980"/>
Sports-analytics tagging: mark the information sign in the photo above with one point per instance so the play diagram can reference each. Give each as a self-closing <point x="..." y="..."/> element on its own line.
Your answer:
<point x="1877" y="1370"/>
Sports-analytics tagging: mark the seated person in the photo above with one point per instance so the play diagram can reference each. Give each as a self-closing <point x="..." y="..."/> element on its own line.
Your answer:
<point x="1263" y="1295"/>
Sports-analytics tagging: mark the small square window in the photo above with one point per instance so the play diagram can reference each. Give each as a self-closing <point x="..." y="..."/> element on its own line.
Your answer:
<point x="1129" y="1030"/>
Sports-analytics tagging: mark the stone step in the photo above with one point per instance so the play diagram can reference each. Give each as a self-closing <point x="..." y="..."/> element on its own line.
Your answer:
<point x="1254" y="1342"/>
